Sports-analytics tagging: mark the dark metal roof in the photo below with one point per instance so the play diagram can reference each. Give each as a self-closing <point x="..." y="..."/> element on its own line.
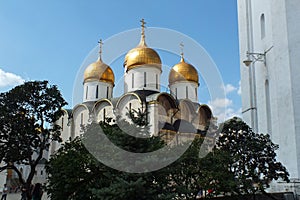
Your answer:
<point x="144" y="93"/>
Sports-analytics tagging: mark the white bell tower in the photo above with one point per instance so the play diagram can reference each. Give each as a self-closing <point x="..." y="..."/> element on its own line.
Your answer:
<point x="269" y="38"/>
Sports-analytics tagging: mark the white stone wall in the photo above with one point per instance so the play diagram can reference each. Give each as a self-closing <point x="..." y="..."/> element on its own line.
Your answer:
<point x="40" y="174"/>
<point x="153" y="117"/>
<point x="80" y="117"/>
<point x="134" y="79"/>
<point x="278" y="111"/>
<point x="185" y="90"/>
<point x="104" y="111"/>
<point x="293" y="29"/>
<point x="3" y="176"/>
<point x="105" y="90"/>
<point x="63" y="122"/>
<point x="127" y="102"/>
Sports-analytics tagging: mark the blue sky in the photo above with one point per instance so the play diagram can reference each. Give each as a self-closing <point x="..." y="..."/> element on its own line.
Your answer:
<point x="50" y="39"/>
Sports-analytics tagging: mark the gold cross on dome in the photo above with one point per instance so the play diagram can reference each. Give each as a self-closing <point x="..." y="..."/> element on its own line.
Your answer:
<point x="143" y="25"/>
<point x="142" y="42"/>
<point x="100" y="48"/>
<point x="181" y="49"/>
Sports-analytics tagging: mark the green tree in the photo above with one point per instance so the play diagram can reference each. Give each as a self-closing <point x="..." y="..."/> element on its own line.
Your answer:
<point x="242" y="162"/>
<point x="76" y="165"/>
<point x="178" y="180"/>
<point x="26" y="113"/>
<point x="72" y="172"/>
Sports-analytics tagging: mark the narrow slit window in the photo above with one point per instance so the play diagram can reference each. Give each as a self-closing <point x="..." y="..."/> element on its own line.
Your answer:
<point x="87" y="91"/>
<point x="186" y="92"/>
<point x="81" y="119"/>
<point x="176" y="92"/>
<point x="145" y="79"/>
<point x="107" y="91"/>
<point x="262" y="26"/>
<point x="132" y="84"/>
<point x="156" y="81"/>
<point x="97" y="91"/>
<point x="62" y="124"/>
<point x="104" y="114"/>
<point x="196" y="93"/>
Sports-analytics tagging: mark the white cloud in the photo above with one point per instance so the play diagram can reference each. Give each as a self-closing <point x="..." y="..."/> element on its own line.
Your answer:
<point x="229" y="88"/>
<point x="220" y="103"/>
<point x="223" y="109"/>
<point x="8" y="79"/>
<point x="239" y="89"/>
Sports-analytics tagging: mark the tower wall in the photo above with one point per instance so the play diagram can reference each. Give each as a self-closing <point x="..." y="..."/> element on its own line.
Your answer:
<point x="185" y="90"/>
<point x="270" y="90"/>
<point x="95" y="90"/>
<point x="142" y="78"/>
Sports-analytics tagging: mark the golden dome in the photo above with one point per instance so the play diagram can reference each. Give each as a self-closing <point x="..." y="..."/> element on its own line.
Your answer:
<point x="142" y="54"/>
<point x="183" y="71"/>
<point x="99" y="71"/>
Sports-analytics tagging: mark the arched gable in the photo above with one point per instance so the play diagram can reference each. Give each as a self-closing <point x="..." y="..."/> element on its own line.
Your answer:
<point x="102" y="110"/>
<point x="166" y="100"/>
<point x="204" y="115"/>
<point x="128" y="101"/>
<point x="187" y="110"/>
<point x="81" y="117"/>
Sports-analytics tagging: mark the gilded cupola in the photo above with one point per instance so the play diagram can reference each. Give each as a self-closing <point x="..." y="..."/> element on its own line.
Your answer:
<point x="183" y="71"/>
<point x="142" y="54"/>
<point x="99" y="71"/>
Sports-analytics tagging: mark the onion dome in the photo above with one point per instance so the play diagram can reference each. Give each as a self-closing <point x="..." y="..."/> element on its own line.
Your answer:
<point x="99" y="71"/>
<point x="183" y="71"/>
<point x="142" y="54"/>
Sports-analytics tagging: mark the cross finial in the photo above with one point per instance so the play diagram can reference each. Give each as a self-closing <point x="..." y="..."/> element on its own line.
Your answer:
<point x="181" y="51"/>
<point x="142" y="42"/>
<point x="100" y="49"/>
<point x="143" y="26"/>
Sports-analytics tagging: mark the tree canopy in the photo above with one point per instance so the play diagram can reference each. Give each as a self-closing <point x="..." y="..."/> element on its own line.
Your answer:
<point x="27" y="116"/>
<point x="241" y="162"/>
<point x="75" y="163"/>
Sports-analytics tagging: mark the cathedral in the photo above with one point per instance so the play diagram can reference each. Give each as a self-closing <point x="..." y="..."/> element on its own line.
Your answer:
<point x="168" y="114"/>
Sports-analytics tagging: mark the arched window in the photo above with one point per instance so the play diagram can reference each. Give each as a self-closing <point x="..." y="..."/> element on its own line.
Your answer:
<point x="262" y="26"/>
<point x="97" y="90"/>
